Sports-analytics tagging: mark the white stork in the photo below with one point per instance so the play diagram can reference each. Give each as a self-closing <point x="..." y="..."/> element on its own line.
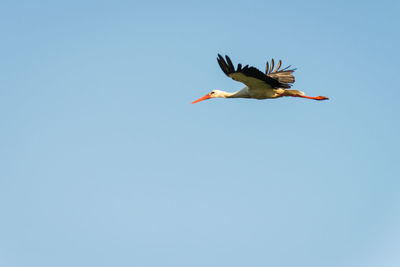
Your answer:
<point x="272" y="84"/>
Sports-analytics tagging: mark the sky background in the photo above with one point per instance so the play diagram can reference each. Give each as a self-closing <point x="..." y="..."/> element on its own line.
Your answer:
<point x="104" y="161"/>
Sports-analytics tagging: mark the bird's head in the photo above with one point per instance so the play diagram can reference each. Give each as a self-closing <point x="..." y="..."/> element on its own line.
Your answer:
<point x="212" y="94"/>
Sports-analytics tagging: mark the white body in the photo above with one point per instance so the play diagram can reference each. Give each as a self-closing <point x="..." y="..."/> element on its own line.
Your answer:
<point x="257" y="93"/>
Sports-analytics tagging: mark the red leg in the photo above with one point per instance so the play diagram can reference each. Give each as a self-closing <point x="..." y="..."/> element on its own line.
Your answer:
<point x="313" y="97"/>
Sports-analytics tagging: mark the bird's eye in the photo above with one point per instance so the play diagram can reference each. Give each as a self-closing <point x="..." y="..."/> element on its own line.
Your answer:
<point x="212" y="93"/>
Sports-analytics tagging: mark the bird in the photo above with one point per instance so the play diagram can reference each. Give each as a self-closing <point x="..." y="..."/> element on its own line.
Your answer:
<point x="274" y="83"/>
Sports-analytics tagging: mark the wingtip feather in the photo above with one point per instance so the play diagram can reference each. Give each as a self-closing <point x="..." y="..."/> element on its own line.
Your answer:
<point x="272" y="65"/>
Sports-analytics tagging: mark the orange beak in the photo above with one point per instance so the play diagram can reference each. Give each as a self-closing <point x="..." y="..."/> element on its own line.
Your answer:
<point x="207" y="96"/>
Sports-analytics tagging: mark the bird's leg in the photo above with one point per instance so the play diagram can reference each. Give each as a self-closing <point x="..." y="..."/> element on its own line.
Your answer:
<point x="297" y="93"/>
<point x="312" y="97"/>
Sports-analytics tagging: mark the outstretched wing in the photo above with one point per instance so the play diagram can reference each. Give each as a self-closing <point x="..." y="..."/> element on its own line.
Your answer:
<point x="250" y="76"/>
<point x="284" y="75"/>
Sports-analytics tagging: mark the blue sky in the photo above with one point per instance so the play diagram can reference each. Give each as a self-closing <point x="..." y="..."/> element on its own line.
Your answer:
<point x="104" y="161"/>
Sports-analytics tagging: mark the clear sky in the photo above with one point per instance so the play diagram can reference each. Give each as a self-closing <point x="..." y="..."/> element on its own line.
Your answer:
<point x="104" y="161"/>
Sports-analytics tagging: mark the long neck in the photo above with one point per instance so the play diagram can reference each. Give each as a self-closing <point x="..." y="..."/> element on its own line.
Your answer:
<point x="239" y="94"/>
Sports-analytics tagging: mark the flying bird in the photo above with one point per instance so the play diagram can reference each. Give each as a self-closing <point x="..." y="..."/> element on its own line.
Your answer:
<point x="274" y="83"/>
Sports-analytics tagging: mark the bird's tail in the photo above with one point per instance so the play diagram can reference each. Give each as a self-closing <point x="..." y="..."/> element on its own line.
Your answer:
<point x="293" y="92"/>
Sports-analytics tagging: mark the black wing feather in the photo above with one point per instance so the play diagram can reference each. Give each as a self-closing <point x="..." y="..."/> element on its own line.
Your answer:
<point x="279" y="65"/>
<point x="284" y="76"/>
<point x="228" y="68"/>
<point x="272" y="65"/>
<point x="223" y="65"/>
<point x="230" y="64"/>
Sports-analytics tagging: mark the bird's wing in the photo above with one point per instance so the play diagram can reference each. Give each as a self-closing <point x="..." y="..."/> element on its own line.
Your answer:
<point x="250" y="76"/>
<point x="284" y="75"/>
